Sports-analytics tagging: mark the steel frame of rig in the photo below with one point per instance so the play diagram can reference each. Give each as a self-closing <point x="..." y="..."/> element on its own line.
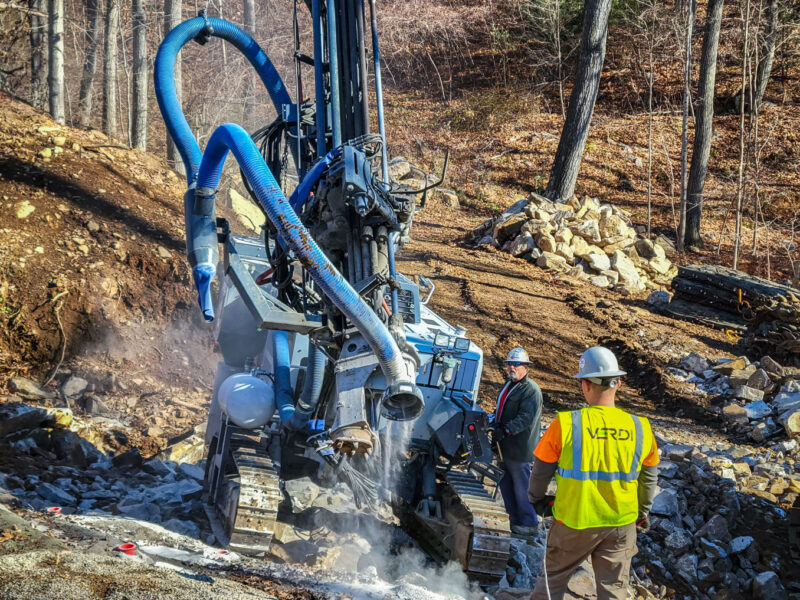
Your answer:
<point x="324" y="344"/>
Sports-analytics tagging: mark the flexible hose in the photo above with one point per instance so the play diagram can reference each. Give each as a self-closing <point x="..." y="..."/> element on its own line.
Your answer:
<point x="300" y="194"/>
<point x="330" y="281"/>
<point x="281" y="366"/>
<point x="164" y="80"/>
<point x="312" y="387"/>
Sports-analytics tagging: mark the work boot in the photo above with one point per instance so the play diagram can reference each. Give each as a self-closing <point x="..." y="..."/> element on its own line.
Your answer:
<point x="525" y="530"/>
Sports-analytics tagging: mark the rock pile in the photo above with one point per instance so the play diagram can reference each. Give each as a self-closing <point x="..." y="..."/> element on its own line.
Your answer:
<point x="582" y="238"/>
<point x="702" y="533"/>
<point x="81" y="479"/>
<point x="761" y="398"/>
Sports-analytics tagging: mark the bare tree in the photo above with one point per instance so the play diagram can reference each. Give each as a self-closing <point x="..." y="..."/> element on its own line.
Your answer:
<point x="37" y="25"/>
<point x="172" y="17"/>
<point x="140" y="67"/>
<point x="564" y="172"/>
<point x="691" y="9"/>
<point x="249" y="7"/>
<point x="704" y="114"/>
<point x="767" y="53"/>
<point x="110" y="69"/>
<point x="90" y="64"/>
<point x="55" y="58"/>
<point x="737" y="236"/>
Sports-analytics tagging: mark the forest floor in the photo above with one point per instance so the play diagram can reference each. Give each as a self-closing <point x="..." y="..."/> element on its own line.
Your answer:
<point x="93" y="281"/>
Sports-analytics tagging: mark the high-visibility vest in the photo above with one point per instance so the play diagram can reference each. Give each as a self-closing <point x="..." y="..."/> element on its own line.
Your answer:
<point x="602" y="451"/>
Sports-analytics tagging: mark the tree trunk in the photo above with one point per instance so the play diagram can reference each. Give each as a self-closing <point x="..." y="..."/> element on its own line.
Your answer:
<point x="89" y="67"/>
<point x="55" y="58"/>
<point x="737" y="236"/>
<point x="704" y="115"/>
<point x="139" y="128"/>
<point x="110" y="69"/>
<point x="172" y="17"/>
<point x="767" y="54"/>
<point x="250" y="82"/>
<point x="564" y="172"/>
<point x="691" y="10"/>
<point x="38" y="74"/>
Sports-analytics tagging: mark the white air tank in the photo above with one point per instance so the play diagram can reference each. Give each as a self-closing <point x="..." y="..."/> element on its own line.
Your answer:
<point x="248" y="401"/>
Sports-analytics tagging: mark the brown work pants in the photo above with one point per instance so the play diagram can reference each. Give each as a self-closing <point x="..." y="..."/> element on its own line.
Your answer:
<point x="611" y="549"/>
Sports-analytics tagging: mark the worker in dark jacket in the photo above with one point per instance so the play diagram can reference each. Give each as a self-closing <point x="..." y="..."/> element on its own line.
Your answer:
<point x="516" y="427"/>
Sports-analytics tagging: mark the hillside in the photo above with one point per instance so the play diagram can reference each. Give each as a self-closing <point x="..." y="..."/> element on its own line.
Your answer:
<point x="92" y="255"/>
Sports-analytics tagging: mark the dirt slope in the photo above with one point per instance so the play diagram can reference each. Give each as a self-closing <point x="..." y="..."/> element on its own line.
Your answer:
<point x="92" y="269"/>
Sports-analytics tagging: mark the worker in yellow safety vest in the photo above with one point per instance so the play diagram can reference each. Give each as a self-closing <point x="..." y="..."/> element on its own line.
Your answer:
<point x="605" y="464"/>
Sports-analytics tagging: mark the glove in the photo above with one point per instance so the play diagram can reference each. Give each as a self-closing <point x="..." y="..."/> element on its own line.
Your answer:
<point x="643" y="524"/>
<point x="544" y="507"/>
<point x="497" y="434"/>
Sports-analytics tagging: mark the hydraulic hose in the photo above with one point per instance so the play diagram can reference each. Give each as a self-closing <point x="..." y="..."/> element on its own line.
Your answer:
<point x="300" y="194"/>
<point x="164" y="80"/>
<point x="401" y="391"/>
<point x="281" y="365"/>
<point x="312" y="387"/>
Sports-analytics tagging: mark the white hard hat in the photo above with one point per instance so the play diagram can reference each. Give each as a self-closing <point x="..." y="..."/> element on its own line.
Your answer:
<point x="518" y="355"/>
<point x="598" y="363"/>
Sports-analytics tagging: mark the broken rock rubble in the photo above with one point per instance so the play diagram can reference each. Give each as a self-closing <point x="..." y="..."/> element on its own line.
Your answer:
<point x="760" y="399"/>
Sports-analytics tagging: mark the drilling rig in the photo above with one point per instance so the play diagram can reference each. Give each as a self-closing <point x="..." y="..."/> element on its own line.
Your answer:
<point x="330" y="358"/>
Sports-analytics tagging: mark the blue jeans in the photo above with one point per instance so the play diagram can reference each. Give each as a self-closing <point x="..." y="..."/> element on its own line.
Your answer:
<point x="514" y="487"/>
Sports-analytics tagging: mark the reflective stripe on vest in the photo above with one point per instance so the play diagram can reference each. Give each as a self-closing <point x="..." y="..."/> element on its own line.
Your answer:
<point x="576" y="472"/>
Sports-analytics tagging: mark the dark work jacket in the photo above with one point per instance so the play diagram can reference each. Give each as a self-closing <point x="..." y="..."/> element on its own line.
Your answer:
<point x="522" y="415"/>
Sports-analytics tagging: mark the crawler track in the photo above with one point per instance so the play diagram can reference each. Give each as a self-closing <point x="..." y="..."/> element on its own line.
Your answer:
<point x="247" y="505"/>
<point x="474" y="528"/>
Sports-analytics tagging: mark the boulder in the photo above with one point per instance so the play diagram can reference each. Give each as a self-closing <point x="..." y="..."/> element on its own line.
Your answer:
<point x="666" y="245"/>
<point x="694" y="362"/>
<point x="613" y="276"/>
<point x="735" y="413"/>
<point x="727" y="367"/>
<point x="399" y="168"/>
<point x="740" y="376"/>
<point x="16" y="416"/>
<point x="771" y="367"/>
<point x="785" y="402"/>
<point x="767" y="586"/>
<point x="659" y="298"/>
<point x="677" y="542"/>
<point x="30" y="390"/>
<point x="508" y="228"/>
<point x="551" y="261"/>
<point x="627" y="270"/>
<point x="600" y="281"/>
<point x="55" y="494"/>
<point x="563" y="235"/>
<point x="588" y="230"/>
<point x="792" y="424"/>
<point x="748" y="394"/>
<point x="447" y="198"/>
<point x="759" y="380"/>
<point x="579" y="246"/>
<point x="660" y="265"/>
<point x="546" y="242"/>
<point x="757" y="410"/>
<point x="611" y="226"/>
<point x="599" y="262"/>
<point x="74" y="387"/>
<point x="563" y="249"/>
<point x="665" y="503"/>
<point x="522" y="243"/>
<point x="715" y="530"/>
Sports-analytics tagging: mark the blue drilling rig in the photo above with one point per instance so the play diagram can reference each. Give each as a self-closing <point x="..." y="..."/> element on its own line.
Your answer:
<point x="329" y="355"/>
